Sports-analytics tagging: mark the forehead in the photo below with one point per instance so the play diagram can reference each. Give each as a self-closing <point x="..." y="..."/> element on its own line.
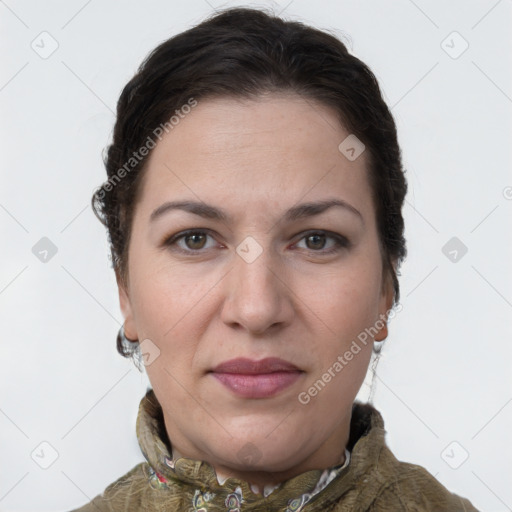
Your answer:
<point x="275" y="149"/>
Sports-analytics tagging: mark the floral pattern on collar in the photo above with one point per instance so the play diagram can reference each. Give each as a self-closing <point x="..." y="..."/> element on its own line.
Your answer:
<point x="235" y="499"/>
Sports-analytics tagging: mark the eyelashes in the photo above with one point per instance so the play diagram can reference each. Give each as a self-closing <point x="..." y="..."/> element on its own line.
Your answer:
<point x="338" y="241"/>
<point x="173" y="240"/>
<point x="178" y="242"/>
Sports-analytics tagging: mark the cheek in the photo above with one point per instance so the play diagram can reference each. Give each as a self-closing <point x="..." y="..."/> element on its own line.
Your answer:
<point x="171" y="308"/>
<point x="347" y="298"/>
<point x="347" y="311"/>
<point x="160" y="293"/>
<point x="154" y="309"/>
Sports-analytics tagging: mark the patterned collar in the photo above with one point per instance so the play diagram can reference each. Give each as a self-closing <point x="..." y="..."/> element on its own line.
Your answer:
<point x="199" y="481"/>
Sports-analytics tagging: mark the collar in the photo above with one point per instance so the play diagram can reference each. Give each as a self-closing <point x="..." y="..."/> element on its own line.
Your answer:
<point x="199" y="481"/>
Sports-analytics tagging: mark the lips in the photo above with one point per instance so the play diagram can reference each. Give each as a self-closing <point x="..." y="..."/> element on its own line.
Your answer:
<point x="248" y="378"/>
<point x="246" y="366"/>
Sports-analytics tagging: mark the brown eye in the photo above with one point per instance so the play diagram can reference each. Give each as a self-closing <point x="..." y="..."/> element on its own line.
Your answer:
<point x="323" y="242"/>
<point x="190" y="242"/>
<point x="315" y="241"/>
<point x="195" y="241"/>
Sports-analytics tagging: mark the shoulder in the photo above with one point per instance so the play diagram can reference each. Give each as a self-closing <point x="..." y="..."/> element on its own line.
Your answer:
<point x="381" y="482"/>
<point x="410" y="487"/>
<point x="126" y="493"/>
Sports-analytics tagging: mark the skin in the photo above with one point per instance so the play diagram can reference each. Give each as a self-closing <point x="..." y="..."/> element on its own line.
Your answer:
<point x="255" y="159"/>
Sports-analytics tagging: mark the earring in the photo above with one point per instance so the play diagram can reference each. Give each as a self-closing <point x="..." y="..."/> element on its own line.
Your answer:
<point x="129" y="348"/>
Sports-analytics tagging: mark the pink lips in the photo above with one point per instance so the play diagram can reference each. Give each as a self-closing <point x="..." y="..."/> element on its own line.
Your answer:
<point x="256" y="379"/>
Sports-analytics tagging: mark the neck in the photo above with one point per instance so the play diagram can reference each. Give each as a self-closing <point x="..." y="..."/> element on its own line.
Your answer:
<point x="331" y="452"/>
<point x="260" y="482"/>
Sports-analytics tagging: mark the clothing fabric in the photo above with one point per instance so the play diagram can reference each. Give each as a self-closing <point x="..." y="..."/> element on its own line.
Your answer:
<point x="370" y="480"/>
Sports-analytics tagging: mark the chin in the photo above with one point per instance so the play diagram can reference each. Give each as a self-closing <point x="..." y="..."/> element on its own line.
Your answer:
<point x="259" y="453"/>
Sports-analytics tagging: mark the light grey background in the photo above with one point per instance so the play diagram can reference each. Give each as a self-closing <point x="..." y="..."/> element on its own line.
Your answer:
<point x="445" y="373"/>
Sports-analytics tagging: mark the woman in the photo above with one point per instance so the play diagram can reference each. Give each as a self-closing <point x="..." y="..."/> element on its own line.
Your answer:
<point x="253" y="206"/>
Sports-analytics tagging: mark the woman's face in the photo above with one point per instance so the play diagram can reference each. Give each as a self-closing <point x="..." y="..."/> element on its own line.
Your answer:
<point x="270" y="272"/>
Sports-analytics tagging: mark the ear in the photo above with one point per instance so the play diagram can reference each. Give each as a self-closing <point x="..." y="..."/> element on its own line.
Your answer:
<point x="126" y="309"/>
<point x="385" y="304"/>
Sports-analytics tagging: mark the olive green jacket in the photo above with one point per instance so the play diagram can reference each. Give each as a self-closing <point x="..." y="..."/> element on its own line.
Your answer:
<point x="373" y="479"/>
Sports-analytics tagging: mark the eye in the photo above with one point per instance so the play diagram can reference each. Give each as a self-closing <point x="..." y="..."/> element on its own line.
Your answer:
<point x="189" y="241"/>
<point x="316" y="241"/>
<point x="196" y="241"/>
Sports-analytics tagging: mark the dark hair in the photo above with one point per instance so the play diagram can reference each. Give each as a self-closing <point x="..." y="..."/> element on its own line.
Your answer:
<point x="245" y="53"/>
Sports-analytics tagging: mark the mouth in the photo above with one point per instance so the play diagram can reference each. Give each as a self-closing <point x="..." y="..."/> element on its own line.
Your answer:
<point x="248" y="378"/>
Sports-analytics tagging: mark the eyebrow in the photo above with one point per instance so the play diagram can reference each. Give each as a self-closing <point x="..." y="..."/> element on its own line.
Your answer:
<point x="207" y="211"/>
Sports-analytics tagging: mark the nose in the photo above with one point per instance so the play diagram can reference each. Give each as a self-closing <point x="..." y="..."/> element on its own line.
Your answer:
<point x="257" y="297"/>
